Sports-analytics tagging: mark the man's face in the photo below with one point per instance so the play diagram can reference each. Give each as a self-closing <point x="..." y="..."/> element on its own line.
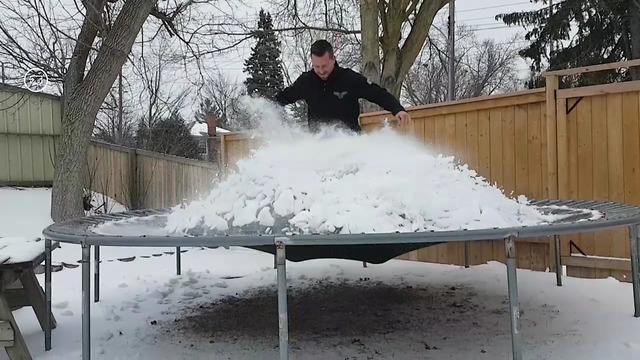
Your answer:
<point x="323" y="65"/>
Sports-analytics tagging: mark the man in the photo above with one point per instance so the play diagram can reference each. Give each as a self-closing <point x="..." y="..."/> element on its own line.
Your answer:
<point x="332" y="92"/>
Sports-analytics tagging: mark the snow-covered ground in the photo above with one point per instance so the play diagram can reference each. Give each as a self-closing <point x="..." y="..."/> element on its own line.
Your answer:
<point x="224" y="306"/>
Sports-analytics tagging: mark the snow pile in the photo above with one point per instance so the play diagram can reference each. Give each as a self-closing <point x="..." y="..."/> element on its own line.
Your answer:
<point x="102" y="204"/>
<point x="339" y="182"/>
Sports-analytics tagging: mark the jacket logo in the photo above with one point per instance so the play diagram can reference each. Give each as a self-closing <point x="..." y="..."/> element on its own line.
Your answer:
<point x="340" y="94"/>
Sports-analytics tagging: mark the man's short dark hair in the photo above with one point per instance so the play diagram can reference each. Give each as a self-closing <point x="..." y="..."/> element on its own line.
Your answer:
<point x="321" y="47"/>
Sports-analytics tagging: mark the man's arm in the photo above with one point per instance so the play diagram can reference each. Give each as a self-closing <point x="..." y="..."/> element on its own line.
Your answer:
<point x="376" y="94"/>
<point x="292" y="93"/>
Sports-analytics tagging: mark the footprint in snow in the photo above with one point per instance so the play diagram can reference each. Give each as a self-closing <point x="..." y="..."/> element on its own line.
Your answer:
<point x="190" y="281"/>
<point x="191" y="294"/>
<point x="61" y="305"/>
<point x="222" y="285"/>
<point x="67" y="313"/>
<point x="123" y="285"/>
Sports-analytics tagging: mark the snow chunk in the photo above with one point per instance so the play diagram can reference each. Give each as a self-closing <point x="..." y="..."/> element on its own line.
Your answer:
<point x="265" y="218"/>
<point x="285" y="203"/>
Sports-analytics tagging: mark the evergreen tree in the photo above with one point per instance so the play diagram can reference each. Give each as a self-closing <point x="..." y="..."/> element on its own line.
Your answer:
<point x="606" y="31"/>
<point x="264" y="66"/>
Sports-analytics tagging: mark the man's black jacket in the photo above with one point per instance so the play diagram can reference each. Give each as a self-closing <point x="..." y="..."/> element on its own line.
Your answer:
<point x="336" y="99"/>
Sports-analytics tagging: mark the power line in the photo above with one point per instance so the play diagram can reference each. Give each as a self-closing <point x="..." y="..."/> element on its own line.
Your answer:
<point x="493" y="7"/>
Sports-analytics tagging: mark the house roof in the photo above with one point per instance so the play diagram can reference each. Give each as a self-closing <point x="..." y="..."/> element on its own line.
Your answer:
<point x="202" y="129"/>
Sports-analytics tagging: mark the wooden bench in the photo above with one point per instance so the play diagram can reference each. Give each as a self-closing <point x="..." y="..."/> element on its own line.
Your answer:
<point x="19" y="287"/>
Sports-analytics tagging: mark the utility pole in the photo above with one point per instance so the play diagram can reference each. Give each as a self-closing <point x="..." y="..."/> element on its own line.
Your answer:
<point x="551" y="47"/>
<point x="452" y="42"/>
<point x="120" y="128"/>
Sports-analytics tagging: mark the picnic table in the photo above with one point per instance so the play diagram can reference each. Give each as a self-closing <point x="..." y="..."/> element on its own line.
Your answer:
<point x="19" y="287"/>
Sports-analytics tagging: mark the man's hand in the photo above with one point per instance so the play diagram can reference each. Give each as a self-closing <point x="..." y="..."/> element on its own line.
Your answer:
<point x="403" y="118"/>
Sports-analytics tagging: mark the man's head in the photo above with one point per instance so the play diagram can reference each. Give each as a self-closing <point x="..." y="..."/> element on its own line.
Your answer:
<point x="322" y="58"/>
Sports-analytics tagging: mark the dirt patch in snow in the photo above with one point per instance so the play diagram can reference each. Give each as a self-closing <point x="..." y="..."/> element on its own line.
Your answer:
<point x="323" y="308"/>
<point x="345" y="319"/>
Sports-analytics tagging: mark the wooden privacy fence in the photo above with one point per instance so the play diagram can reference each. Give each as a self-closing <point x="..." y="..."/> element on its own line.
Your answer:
<point x="143" y="179"/>
<point x="579" y="143"/>
<point x="596" y="156"/>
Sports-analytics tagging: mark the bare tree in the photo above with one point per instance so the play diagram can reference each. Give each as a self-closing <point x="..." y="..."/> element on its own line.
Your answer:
<point x="116" y="122"/>
<point x="32" y="35"/>
<point x="221" y="95"/>
<point x="482" y="67"/>
<point x="160" y="95"/>
<point x="84" y="44"/>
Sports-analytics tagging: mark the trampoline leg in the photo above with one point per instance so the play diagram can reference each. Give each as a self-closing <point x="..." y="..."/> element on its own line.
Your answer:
<point x="47" y="294"/>
<point x="514" y="308"/>
<point x="86" y="302"/>
<point x="634" y="235"/>
<point x="283" y="320"/>
<point x="364" y="264"/>
<point x="178" y="261"/>
<point x="556" y="245"/>
<point x="96" y="274"/>
<point x="466" y="254"/>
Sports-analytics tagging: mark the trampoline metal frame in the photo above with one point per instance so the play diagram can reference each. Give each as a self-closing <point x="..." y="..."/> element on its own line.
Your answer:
<point x="509" y="235"/>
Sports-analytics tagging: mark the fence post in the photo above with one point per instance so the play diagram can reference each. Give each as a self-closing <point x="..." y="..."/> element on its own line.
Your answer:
<point x="223" y="152"/>
<point x="213" y="148"/>
<point x="133" y="180"/>
<point x="551" y="86"/>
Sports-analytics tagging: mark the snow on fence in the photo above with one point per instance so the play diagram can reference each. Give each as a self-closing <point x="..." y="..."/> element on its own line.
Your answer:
<point x="578" y="143"/>
<point x="144" y="179"/>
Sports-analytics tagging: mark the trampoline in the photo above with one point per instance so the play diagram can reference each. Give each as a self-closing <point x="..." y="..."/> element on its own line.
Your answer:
<point x="143" y="228"/>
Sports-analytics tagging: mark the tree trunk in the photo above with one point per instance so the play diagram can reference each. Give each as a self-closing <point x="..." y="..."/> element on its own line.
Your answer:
<point x="82" y="99"/>
<point x="370" y="46"/>
<point x="399" y="59"/>
<point x="71" y="162"/>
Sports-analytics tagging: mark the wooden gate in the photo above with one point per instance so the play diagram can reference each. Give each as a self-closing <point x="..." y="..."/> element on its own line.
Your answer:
<point x="597" y="156"/>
